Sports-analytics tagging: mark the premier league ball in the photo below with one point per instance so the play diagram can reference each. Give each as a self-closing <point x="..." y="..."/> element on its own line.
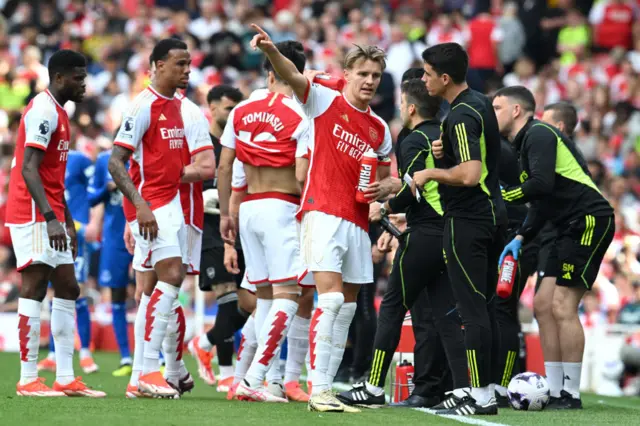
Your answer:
<point x="528" y="391"/>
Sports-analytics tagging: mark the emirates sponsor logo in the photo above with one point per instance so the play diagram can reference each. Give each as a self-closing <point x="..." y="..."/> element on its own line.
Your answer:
<point x="349" y="143"/>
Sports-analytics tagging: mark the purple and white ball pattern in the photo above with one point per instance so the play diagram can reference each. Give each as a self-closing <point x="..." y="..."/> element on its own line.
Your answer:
<point x="528" y="391"/>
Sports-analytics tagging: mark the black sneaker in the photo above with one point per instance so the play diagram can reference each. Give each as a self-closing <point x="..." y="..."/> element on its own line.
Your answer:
<point x="503" y="401"/>
<point x="451" y="401"/>
<point x="359" y="395"/>
<point x="565" y="402"/>
<point x="469" y="407"/>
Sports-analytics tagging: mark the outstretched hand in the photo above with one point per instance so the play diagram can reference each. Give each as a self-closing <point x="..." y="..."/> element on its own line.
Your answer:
<point x="262" y="40"/>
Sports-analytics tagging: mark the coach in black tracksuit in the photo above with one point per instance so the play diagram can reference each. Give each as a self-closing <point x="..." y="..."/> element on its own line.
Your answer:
<point x="418" y="263"/>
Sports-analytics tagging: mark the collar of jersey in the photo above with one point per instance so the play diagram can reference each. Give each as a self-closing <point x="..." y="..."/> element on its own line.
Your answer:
<point x="517" y="141"/>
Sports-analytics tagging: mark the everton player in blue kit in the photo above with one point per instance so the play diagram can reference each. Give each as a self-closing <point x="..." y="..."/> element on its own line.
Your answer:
<point x="79" y="172"/>
<point x="114" y="258"/>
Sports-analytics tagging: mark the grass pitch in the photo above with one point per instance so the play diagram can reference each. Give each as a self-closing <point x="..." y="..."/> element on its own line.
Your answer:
<point x="204" y="406"/>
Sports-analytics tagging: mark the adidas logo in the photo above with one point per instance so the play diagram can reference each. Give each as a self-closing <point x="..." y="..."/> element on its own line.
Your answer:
<point x="567" y="276"/>
<point x="162" y="117"/>
<point x="466" y="410"/>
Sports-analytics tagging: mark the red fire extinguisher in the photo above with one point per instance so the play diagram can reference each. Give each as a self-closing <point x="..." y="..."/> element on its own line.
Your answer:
<point x="404" y="381"/>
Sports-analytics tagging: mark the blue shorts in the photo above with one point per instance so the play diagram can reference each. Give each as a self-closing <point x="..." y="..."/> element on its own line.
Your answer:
<point x="114" y="267"/>
<point x="82" y="260"/>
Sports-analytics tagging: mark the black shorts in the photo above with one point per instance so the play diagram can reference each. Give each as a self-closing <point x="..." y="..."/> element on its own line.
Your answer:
<point x="548" y="253"/>
<point x="581" y="247"/>
<point x="213" y="271"/>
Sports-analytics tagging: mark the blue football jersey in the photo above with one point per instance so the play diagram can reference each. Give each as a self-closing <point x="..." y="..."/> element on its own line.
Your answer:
<point x="114" y="221"/>
<point x="79" y="172"/>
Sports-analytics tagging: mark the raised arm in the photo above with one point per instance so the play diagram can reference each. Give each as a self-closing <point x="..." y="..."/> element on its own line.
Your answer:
<point x="283" y="66"/>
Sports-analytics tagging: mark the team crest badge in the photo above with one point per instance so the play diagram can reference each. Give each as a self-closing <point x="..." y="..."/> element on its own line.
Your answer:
<point x="373" y="134"/>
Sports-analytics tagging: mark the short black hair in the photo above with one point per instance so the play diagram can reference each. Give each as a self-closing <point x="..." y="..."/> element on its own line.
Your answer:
<point x="224" y="91"/>
<point x="64" y="61"/>
<point x="565" y="112"/>
<point x="521" y="95"/>
<point x="412" y="73"/>
<point x="293" y="51"/>
<point x="163" y="47"/>
<point x="448" y="58"/>
<point x="416" y="92"/>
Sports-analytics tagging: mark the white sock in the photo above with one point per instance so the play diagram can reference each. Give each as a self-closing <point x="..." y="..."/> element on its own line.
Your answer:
<point x="320" y="338"/>
<point x="50" y="355"/>
<point x="173" y="343"/>
<point x="263" y="306"/>
<point x="270" y="340"/>
<point x="226" y="371"/>
<point x="374" y="390"/>
<point x="492" y="390"/>
<point x="138" y="336"/>
<point x="85" y="353"/>
<point x="156" y="321"/>
<point x="297" y="348"/>
<point x="274" y="373"/>
<point x="461" y="392"/>
<point x="482" y="395"/>
<point x="572" y="374"/>
<point x="247" y="350"/>
<point x="63" y="327"/>
<point x="340" y="336"/>
<point x="553" y="370"/>
<point x="29" y="336"/>
<point x="502" y="391"/>
<point x="204" y="343"/>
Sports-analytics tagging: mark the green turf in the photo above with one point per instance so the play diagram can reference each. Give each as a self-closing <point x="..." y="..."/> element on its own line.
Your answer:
<point x="206" y="407"/>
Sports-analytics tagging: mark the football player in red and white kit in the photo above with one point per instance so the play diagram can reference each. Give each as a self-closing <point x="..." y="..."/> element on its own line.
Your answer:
<point x="267" y="131"/>
<point x="334" y="239"/>
<point x="153" y="136"/>
<point x="37" y="215"/>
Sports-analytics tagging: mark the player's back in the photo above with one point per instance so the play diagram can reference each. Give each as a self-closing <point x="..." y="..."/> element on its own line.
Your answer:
<point x="45" y="126"/>
<point x="339" y="135"/>
<point x="153" y="129"/>
<point x="79" y="172"/>
<point x="268" y="131"/>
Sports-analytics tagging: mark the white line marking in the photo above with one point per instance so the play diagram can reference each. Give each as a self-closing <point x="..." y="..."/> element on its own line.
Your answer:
<point x="462" y="419"/>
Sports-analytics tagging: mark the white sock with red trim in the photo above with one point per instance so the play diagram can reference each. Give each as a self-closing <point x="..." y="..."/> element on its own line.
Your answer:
<point x="173" y="344"/>
<point x="156" y="322"/>
<point x="138" y="336"/>
<point x="246" y="351"/>
<point x="339" y="338"/>
<point x="29" y="337"/>
<point x="320" y="339"/>
<point x="63" y="327"/>
<point x="297" y="348"/>
<point x="270" y="340"/>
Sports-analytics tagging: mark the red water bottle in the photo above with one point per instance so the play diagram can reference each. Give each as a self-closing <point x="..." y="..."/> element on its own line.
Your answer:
<point x="404" y="381"/>
<point x="333" y="83"/>
<point x="507" y="276"/>
<point x="368" y="167"/>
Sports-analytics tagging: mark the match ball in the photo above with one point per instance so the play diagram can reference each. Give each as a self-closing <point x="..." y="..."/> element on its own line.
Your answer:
<point x="528" y="392"/>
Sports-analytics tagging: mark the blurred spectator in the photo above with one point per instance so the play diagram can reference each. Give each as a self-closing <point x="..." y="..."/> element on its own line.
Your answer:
<point x="613" y="21"/>
<point x="573" y="38"/>
<point x="512" y="31"/>
<point x="483" y="37"/>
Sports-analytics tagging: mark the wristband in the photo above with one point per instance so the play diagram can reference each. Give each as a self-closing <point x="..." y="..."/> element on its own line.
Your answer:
<point x="49" y="216"/>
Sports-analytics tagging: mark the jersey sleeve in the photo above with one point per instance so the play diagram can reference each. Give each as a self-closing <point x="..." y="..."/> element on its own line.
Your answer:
<point x="40" y="122"/>
<point x="238" y="178"/>
<point x="196" y="130"/>
<point x="413" y="155"/>
<point x="134" y="125"/>
<point x="302" y="135"/>
<point x="317" y="99"/>
<point x="228" y="138"/>
<point x="465" y="131"/>
<point x="384" y="149"/>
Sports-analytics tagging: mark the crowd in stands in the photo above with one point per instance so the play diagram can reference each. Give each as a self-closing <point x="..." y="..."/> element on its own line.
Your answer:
<point x="586" y="52"/>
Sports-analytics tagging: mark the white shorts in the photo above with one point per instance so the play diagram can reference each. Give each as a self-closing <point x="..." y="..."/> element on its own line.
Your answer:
<point x="251" y="288"/>
<point x="194" y="249"/>
<point x="332" y="244"/>
<point x="269" y="236"/>
<point x="31" y="245"/>
<point x="170" y="242"/>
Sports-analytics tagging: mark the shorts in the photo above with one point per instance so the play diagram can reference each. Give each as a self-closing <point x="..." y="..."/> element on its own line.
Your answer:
<point x="194" y="249"/>
<point x="31" y="245"/>
<point x="213" y="271"/>
<point x="170" y="242"/>
<point x="269" y="236"/>
<point x="251" y="288"/>
<point x="114" y="267"/>
<point x="83" y="259"/>
<point x="332" y="244"/>
<point x="548" y="253"/>
<point x="581" y="248"/>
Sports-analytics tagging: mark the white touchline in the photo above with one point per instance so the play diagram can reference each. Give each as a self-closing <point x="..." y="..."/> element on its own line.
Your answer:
<point x="462" y="419"/>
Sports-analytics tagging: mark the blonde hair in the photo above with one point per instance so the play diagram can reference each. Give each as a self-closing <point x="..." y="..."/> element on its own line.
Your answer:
<point x="371" y="53"/>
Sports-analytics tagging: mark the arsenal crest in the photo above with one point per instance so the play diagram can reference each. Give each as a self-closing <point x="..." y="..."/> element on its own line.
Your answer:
<point x="373" y="134"/>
